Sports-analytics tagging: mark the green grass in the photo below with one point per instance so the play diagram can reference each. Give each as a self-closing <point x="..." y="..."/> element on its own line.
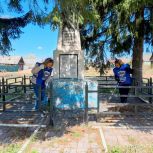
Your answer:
<point x="12" y="148"/>
<point x="132" y="149"/>
<point x="34" y="151"/>
<point x="115" y="91"/>
<point x="76" y="135"/>
<point x="115" y="150"/>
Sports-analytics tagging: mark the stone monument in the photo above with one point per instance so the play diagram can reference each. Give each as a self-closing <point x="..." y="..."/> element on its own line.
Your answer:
<point x="69" y="58"/>
<point x="68" y="85"/>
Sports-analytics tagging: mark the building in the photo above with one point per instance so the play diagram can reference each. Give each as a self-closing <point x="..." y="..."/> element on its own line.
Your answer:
<point x="11" y="63"/>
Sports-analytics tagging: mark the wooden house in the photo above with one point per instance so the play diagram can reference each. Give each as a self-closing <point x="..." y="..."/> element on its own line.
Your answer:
<point x="11" y="63"/>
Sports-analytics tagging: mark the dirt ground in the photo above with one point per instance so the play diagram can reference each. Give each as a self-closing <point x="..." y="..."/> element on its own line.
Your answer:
<point x="76" y="139"/>
<point x="129" y="135"/>
<point x="11" y="139"/>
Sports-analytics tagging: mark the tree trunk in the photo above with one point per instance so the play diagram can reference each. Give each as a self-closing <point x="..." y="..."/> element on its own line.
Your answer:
<point x="137" y="61"/>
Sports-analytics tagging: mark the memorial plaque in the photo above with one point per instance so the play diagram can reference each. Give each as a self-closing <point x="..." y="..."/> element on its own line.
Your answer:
<point x="68" y="37"/>
<point x="68" y="66"/>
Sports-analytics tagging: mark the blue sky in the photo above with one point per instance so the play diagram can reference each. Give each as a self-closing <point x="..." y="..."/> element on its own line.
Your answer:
<point x="35" y="40"/>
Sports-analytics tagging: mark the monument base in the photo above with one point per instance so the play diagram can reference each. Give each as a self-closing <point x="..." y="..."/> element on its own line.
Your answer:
<point x="68" y="93"/>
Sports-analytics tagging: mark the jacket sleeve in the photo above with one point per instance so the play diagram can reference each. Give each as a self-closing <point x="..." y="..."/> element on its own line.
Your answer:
<point x="116" y="76"/>
<point x="129" y="70"/>
<point x="36" y="69"/>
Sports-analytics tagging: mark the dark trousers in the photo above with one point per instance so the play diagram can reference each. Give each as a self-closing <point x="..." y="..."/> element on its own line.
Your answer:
<point x="123" y="91"/>
<point x="43" y="95"/>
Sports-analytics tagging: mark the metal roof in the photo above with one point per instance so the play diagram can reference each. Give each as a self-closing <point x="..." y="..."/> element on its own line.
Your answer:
<point x="11" y="60"/>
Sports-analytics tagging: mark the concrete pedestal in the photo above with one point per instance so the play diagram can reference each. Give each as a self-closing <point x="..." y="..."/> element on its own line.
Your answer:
<point x="68" y="93"/>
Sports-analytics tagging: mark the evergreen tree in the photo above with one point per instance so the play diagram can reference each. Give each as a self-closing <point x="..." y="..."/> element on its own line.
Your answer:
<point x="53" y="12"/>
<point x="125" y="26"/>
<point x="10" y="28"/>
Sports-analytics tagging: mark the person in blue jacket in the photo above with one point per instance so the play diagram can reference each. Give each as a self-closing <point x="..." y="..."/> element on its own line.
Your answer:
<point x="41" y="72"/>
<point x="122" y="73"/>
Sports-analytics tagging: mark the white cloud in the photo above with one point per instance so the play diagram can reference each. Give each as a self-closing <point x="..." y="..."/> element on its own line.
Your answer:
<point x="5" y="16"/>
<point x="40" y="48"/>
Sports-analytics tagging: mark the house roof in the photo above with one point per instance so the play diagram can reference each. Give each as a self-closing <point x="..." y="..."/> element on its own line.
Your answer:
<point x="14" y="60"/>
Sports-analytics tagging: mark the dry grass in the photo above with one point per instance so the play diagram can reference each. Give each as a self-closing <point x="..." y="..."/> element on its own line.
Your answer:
<point x="15" y="74"/>
<point x="147" y="72"/>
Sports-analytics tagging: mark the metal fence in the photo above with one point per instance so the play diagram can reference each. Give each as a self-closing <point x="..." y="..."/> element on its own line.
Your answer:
<point x="107" y="87"/>
<point x="12" y="88"/>
<point x="13" y="93"/>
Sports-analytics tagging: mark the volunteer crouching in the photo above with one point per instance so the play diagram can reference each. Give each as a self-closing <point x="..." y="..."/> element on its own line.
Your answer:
<point x="122" y="75"/>
<point x="41" y="72"/>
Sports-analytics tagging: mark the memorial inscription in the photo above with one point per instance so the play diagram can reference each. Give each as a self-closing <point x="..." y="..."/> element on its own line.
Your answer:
<point x="68" y="37"/>
<point x="68" y="66"/>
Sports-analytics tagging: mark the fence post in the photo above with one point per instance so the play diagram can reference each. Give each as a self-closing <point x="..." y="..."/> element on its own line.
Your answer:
<point x="39" y="98"/>
<point x="6" y="85"/>
<point x="98" y="99"/>
<point x="0" y="88"/>
<point x="135" y="86"/>
<point x="24" y="82"/>
<point x="86" y="103"/>
<point x="15" y="80"/>
<point x="3" y="92"/>
<point x="51" y="105"/>
<point x="150" y="84"/>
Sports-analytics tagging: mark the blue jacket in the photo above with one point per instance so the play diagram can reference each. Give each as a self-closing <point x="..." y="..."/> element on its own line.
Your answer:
<point x="42" y="75"/>
<point x="122" y="74"/>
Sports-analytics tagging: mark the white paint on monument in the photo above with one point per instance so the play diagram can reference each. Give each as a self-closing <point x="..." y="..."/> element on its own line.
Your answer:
<point x="69" y="58"/>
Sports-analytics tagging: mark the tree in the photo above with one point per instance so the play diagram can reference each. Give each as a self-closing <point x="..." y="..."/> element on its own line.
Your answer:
<point x="11" y="29"/>
<point x="119" y="26"/>
<point x="139" y="28"/>
<point x="125" y="26"/>
<point x="53" y="12"/>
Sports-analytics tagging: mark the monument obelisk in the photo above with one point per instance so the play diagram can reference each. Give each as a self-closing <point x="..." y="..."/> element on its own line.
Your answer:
<point x="69" y="58"/>
<point x="68" y="85"/>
